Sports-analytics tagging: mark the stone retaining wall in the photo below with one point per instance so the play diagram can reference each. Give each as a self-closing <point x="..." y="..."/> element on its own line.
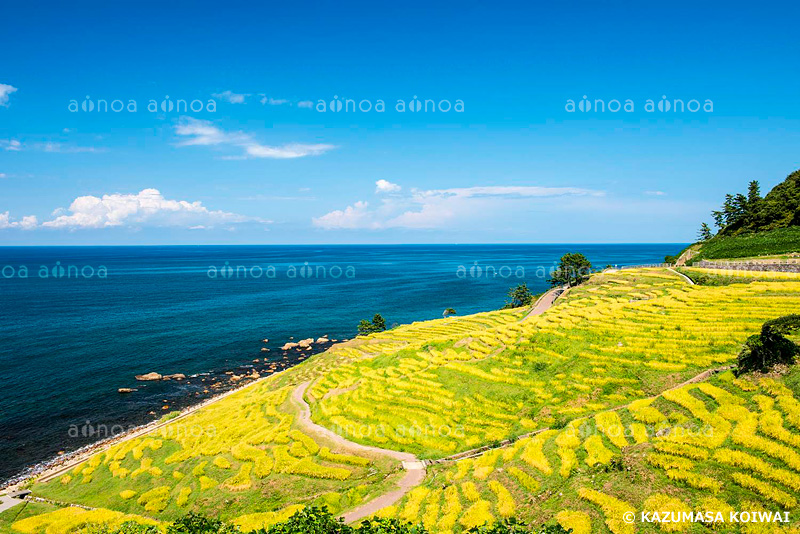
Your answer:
<point x="750" y="266"/>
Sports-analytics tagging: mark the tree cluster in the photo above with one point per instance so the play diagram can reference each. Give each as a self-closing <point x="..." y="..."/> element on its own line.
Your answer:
<point x="378" y="324"/>
<point x="763" y="351"/>
<point x="744" y="213"/>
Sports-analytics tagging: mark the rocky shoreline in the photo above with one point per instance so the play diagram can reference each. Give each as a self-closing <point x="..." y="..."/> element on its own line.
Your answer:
<point x="209" y="387"/>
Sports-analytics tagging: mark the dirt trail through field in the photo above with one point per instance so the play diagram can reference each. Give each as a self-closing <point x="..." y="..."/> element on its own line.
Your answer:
<point x="415" y="469"/>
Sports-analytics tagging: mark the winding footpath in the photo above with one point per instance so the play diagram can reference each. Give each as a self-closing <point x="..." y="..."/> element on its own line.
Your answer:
<point x="415" y="469"/>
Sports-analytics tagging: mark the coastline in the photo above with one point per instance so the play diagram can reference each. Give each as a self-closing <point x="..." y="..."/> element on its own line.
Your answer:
<point x="54" y="466"/>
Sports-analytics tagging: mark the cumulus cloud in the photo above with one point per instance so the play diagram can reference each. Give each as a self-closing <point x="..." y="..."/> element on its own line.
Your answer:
<point x="14" y="145"/>
<point x="655" y="193"/>
<point x="436" y="207"/>
<point x="200" y="132"/>
<point x="355" y="216"/>
<point x="384" y="186"/>
<point x="29" y="222"/>
<point x="5" y="93"/>
<point x="146" y="208"/>
<point x="231" y="97"/>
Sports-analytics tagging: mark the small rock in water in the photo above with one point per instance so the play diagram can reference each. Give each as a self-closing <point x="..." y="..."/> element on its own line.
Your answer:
<point x="148" y="377"/>
<point x="127" y="390"/>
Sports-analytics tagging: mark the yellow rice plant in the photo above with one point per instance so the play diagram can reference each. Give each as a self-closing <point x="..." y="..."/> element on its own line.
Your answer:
<point x="578" y="522"/>
<point x="765" y="490"/>
<point x="177" y="475"/>
<point x="680" y="449"/>
<point x="597" y="452"/>
<point x="667" y="461"/>
<point x="662" y="504"/>
<point x="66" y="479"/>
<point x="155" y="500"/>
<point x="484" y="464"/>
<point x="470" y="491"/>
<point x="567" y="442"/>
<point x="639" y="433"/>
<point x="251" y="522"/>
<point x="241" y="480"/>
<point x="262" y="467"/>
<point x="127" y="494"/>
<point x="505" y="502"/>
<point x="714" y="505"/>
<point x="694" y="480"/>
<point x="326" y="454"/>
<point x="413" y="503"/>
<point x="525" y="480"/>
<point x="477" y="514"/>
<point x="610" y="424"/>
<point x="745" y="435"/>
<point x="533" y="455"/>
<point x="613" y="510"/>
<point x="759" y="466"/>
<point x="222" y="462"/>
<point x="74" y="519"/>
<point x="771" y="424"/>
<point x="307" y="467"/>
<point x="207" y="482"/>
<point x="245" y="452"/>
<point x="183" y="496"/>
<point x="307" y="442"/>
<point x="432" y="504"/>
<point x="200" y="469"/>
<point x="451" y="509"/>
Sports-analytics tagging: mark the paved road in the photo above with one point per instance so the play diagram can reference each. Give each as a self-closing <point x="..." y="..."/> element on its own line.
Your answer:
<point x="415" y="469"/>
<point x="545" y="302"/>
<point x="7" y="502"/>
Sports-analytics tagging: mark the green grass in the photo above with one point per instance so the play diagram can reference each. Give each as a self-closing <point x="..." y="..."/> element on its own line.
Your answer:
<point x="774" y="242"/>
<point x="22" y="511"/>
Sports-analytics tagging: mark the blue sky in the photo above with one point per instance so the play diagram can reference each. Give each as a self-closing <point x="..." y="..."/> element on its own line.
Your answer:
<point x="267" y="165"/>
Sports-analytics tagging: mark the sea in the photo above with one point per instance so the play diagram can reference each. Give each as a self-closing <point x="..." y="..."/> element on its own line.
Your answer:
<point x="79" y="323"/>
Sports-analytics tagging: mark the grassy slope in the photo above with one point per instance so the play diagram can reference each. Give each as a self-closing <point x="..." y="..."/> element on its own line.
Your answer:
<point x="621" y="337"/>
<point x="774" y="242"/>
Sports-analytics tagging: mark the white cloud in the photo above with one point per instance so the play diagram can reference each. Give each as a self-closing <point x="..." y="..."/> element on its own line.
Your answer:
<point x="289" y="151"/>
<point x="231" y="97"/>
<point x="200" y="132"/>
<point x="272" y="101"/>
<point x="5" y="93"/>
<point x="655" y="193"/>
<point x="308" y="104"/>
<point x="3" y="175"/>
<point x="29" y="222"/>
<point x="355" y="216"/>
<point x="436" y="207"/>
<point x="11" y="144"/>
<point x="52" y="147"/>
<point x="146" y="208"/>
<point x="384" y="186"/>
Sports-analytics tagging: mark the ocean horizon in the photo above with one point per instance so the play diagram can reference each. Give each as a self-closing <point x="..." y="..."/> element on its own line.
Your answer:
<point x="79" y="323"/>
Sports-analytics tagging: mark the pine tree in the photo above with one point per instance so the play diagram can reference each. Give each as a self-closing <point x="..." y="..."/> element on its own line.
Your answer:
<point x="705" y="233"/>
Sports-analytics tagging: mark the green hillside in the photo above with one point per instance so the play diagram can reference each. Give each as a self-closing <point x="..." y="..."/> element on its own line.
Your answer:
<point x="588" y="393"/>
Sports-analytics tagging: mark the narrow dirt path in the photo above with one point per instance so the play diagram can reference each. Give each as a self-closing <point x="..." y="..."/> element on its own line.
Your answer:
<point x="415" y="469"/>
<point x="545" y="302"/>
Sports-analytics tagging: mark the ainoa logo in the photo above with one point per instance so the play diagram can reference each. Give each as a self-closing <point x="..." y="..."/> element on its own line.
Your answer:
<point x="57" y="271"/>
<point x="664" y="105"/>
<point x="415" y="105"/>
<point x="166" y="105"/>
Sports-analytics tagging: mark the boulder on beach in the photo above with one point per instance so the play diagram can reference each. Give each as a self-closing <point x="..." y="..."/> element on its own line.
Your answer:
<point x="264" y="349"/>
<point x="148" y="377"/>
<point x="305" y="343"/>
<point x="322" y="340"/>
<point x="289" y="346"/>
<point x="127" y="390"/>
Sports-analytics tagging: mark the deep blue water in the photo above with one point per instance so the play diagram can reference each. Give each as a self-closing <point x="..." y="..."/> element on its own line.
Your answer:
<point x="68" y="342"/>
